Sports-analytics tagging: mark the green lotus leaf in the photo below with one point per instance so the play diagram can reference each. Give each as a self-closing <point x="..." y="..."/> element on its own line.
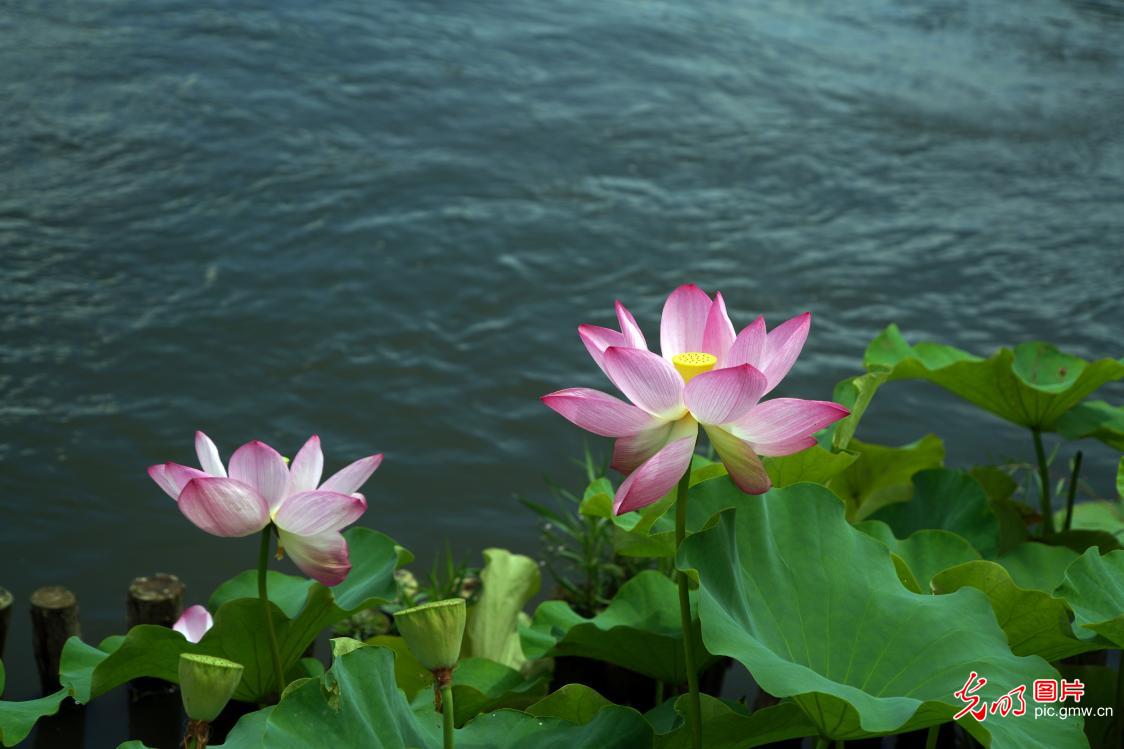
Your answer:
<point x="814" y="465"/>
<point x="357" y="704"/>
<point x="576" y="703"/>
<point x="1094" y="588"/>
<point x="948" y="500"/>
<point x="149" y="650"/>
<point x="925" y="552"/>
<point x="18" y="718"/>
<point x="854" y="394"/>
<point x="482" y="686"/>
<point x="881" y="475"/>
<point x="1038" y="566"/>
<point x="1032" y="385"/>
<point x="1100" y="689"/>
<point x="508" y="581"/>
<point x="1036" y="623"/>
<point x="1080" y="539"/>
<point x="1097" y="419"/>
<point x="639" y="630"/>
<point x="1106" y="516"/>
<point x="813" y="608"/>
<point x="412" y="677"/>
<point x="726" y="727"/>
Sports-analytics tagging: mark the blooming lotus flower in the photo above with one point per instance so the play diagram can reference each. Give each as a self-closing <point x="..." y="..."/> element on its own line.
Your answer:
<point x="706" y="376"/>
<point x="260" y="488"/>
<point x="194" y="623"/>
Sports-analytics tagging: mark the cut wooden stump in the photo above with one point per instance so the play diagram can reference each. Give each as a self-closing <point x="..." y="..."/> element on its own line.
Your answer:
<point x="54" y="618"/>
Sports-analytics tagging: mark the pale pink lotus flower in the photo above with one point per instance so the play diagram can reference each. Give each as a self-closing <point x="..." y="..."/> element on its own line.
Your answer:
<point x="707" y="375"/>
<point x="260" y="488"/>
<point x="194" y="623"/>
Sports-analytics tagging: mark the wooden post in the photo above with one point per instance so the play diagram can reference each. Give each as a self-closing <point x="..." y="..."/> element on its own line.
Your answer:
<point x="154" y="599"/>
<point x="54" y="618"/>
<point x="5" y="617"/>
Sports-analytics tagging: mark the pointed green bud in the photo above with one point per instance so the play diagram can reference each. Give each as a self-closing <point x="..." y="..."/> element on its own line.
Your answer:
<point x="433" y="632"/>
<point x="207" y="684"/>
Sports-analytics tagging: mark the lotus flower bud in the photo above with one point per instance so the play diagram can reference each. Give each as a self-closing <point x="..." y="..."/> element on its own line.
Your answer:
<point x="207" y="684"/>
<point x="433" y="632"/>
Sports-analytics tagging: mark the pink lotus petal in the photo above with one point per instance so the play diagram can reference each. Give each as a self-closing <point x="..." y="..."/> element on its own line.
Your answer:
<point x="718" y="335"/>
<point x="194" y="623"/>
<point x="783" y="426"/>
<point x="684" y="320"/>
<point x="224" y="507"/>
<point x="599" y="412"/>
<point x="743" y="465"/>
<point x="209" y="459"/>
<point x="647" y="380"/>
<point x="309" y="513"/>
<point x="307" y="467"/>
<point x="749" y="346"/>
<point x="783" y="346"/>
<point x="656" y="477"/>
<point x="262" y="468"/>
<point x="629" y="452"/>
<point x="172" y="477"/>
<point x="597" y="339"/>
<point x="723" y="395"/>
<point x="349" y="478"/>
<point x="633" y="336"/>
<point x="322" y="557"/>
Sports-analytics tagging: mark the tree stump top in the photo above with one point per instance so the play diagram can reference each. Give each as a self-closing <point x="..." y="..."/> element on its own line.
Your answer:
<point x="5" y="598"/>
<point x="158" y="587"/>
<point x="53" y="597"/>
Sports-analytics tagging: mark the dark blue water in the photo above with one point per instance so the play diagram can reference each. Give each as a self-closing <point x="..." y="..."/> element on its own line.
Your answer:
<point x="383" y="221"/>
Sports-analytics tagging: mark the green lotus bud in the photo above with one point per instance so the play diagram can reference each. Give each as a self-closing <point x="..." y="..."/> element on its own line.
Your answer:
<point x="207" y="684"/>
<point x="433" y="632"/>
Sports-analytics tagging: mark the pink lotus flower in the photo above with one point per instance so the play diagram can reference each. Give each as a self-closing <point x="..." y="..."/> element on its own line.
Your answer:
<point x="194" y="623"/>
<point x="707" y="375"/>
<point x="261" y="489"/>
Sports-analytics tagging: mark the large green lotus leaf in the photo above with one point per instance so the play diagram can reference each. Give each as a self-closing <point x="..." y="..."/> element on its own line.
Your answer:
<point x="726" y="727"/>
<point x="1080" y="539"/>
<point x="411" y="676"/>
<point x="1097" y="419"/>
<point x="1033" y="385"/>
<point x="1106" y="516"/>
<point x="357" y="704"/>
<point x="925" y="552"/>
<point x="508" y="581"/>
<point x="814" y="465"/>
<point x="854" y="394"/>
<point x="639" y="630"/>
<point x="1094" y="588"/>
<point x="881" y="475"/>
<point x="149" y="650"/>
<point x="1100" y="690"/>
<point x="18" y="718"/>
<point x="1037" y="566"/>
<point x="1036" y="623"/>
<point x="948" y="500"/>
<point x="576" y="703"/>
<point x="814" y="609"/>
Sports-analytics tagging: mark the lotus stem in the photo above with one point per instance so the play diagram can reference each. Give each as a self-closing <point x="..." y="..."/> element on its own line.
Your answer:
<point x="1072" y="493"/>
<point x="1044" y="481"/>
<point x="694" y="712"/>
<point x="448" y="710"/>
<point x="932" y="736"/>
<point x="197" y="735"/>
<point x="267" y="610"/>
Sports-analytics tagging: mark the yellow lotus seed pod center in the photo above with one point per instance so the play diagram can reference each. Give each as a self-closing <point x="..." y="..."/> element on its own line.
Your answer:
<point x="693" y="363"/>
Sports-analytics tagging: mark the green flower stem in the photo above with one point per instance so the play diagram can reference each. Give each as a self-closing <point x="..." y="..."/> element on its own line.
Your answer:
<point x="1072" y="494"/>
<point x="1044" y="480"/>
<point x="932" y="736"/>
<point x="267" y="610"/>
<point x="694" y="713"/>
<point x="447" y="712"/>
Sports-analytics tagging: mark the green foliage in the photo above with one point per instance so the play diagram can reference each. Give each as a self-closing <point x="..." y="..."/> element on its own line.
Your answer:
<point x="149" y="650"/>
<point x="639" y="630"/>
<point x="727" y="726"/>
<point x="951" y="500"/>
<point x="815" y="610"/>
<point x="881" y="475"/>
<point x="1094" y="588"/>
<point x="18" y="718"/>
<point x="1032" y="385"/>
<point x="1097" y="419"/>
<point x="923" y="554"/>
<point x="508" y="581"/>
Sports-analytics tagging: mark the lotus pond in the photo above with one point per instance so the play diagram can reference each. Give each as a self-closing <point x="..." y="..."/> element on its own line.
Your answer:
<point x="873" y="595"/>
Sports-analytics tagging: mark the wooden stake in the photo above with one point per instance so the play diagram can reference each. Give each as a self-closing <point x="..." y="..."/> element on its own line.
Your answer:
<point x="54" y="618"/>
<point x="5" y="617"/>
<point x="154" y="599"/>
